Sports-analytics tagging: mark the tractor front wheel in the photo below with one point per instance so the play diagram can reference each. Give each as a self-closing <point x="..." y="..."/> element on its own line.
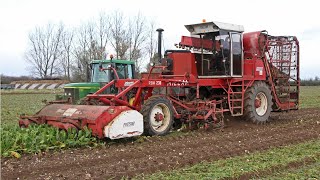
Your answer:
<point x="258" y="102"/>
<point x="157" y="116"/>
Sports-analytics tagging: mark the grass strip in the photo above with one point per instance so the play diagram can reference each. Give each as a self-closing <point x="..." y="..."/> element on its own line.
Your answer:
<point x="311" y="171"/>
<point x="236" y="166"/>
<point x="309" y="96"/>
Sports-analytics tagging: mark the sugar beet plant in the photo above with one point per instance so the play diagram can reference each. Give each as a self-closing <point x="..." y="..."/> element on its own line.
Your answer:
<point x="38" y="138"/>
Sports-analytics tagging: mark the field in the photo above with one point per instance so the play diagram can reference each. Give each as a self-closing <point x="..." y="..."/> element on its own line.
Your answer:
<point x="286" y="148"/>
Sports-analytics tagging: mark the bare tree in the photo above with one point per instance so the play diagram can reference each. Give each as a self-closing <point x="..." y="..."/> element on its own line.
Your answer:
<point x="150" y="44"/>
<point x="127" y="37"/>
<point x="67" y="41"/>
<point x="103" y="28"/>
<point x="81" y="52"/>
<point x="138" y="36"/>
<point x="44" y="50"/>
<point x="119" y="35"/>
<point x="91" y="42"/>
<point x="53" y="48"/>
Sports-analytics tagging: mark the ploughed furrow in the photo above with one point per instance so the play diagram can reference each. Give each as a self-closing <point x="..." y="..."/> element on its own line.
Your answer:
<point x="168" y="152"/>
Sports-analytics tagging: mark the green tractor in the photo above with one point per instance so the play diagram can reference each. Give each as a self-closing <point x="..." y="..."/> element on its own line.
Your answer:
<point x="75" y="92"/>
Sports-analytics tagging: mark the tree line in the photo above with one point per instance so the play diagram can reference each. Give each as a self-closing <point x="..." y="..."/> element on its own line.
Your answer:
<point x="310" y="82"/>
<point x="56" y="50"/>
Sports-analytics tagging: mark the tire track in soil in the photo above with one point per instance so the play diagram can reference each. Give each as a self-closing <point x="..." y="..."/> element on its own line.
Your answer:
<point x="167" y="153"/>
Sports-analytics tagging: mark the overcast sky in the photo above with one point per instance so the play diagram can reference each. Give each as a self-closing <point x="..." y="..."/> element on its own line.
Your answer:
<point x="278" y="17"/>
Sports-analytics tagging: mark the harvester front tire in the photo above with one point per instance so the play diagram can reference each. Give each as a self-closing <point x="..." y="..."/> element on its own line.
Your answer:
<point x="258" y="103"/>
<point x="157" y="114"/>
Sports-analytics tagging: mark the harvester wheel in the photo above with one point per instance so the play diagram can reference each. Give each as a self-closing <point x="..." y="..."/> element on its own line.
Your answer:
<point x="258" y="102"/>
<point x="157" y="116"/>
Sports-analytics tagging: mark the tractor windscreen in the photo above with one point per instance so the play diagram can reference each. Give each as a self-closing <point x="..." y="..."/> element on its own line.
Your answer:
<point x="100" y="76"/>
<point x="124" y="71"/>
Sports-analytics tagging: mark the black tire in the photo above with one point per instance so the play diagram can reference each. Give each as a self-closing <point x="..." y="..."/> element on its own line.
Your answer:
<point x="157" y="105"/>
<point x="258" y="112"/>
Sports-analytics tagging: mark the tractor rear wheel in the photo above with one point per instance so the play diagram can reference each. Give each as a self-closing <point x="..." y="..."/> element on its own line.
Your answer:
<point x="157" y="116"/>
<point x="258" y="102"/>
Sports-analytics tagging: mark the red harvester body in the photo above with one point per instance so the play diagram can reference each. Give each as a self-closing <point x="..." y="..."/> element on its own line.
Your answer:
<point x="218" y="69"/>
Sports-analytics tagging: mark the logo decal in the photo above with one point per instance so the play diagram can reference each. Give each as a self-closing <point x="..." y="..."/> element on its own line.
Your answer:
<point x="128" y="83"/>
<point x="128" y="124"/>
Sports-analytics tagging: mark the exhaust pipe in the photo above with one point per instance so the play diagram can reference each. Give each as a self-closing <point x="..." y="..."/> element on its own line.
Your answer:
<point x="159" y="30"/>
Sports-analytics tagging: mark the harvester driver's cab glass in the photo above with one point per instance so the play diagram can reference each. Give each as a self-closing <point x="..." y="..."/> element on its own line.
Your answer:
<point x="236" y="54"/>
<point x="224" y="39"/>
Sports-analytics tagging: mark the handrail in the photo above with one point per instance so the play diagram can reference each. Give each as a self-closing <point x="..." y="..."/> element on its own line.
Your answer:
<point x="154" y="67"/>
<point x="111" y="68"/>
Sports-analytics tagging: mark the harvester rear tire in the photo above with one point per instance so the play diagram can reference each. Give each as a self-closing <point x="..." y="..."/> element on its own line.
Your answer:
<point x="258" y="103"/>
<point x="157" y="126"/>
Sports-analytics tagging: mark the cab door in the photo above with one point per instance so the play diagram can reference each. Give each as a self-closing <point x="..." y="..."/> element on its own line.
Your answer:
<point x="236" y="54"/>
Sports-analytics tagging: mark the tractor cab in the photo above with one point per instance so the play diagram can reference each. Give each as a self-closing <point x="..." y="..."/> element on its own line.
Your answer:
<point x="216" y="49"/>
<point x="77" y="91"/>
<point x="124" y="68"/>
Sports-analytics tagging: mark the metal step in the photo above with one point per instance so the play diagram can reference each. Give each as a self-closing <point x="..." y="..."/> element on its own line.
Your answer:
<point x="236" y="100"/>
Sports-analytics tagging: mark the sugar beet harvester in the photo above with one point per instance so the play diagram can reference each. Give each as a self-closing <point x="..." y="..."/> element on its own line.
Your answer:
<point x="218" y="69"/>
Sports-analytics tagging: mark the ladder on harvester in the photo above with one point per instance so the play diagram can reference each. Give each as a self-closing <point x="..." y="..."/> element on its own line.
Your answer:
<point x="283" y="60"/>
<point x="236" y="97"/>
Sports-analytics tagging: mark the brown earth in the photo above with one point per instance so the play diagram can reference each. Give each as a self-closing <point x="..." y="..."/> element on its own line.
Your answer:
<point x="130" y="158"/>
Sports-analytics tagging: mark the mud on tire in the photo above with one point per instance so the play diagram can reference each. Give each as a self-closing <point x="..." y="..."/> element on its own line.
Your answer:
<point x="258" y="102"/>
<point x="157" y="116"/>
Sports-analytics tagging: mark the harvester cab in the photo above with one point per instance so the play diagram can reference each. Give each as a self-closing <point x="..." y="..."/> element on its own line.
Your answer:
<point x="217" y="49"/>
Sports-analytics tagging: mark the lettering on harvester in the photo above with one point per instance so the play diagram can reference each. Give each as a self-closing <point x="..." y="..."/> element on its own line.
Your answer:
<point x="128" y="83"/>
<point x="128" y="124"/>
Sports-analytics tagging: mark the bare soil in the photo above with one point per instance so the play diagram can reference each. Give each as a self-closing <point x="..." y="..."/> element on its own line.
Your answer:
<point x="129" y="158"/>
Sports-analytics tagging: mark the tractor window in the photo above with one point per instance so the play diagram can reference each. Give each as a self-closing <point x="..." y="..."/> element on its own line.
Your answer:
<point x="121" y="70"/>
<point x="129" y="71"/>
<point x="100" y="76"/>
<point x="124" y="71"/>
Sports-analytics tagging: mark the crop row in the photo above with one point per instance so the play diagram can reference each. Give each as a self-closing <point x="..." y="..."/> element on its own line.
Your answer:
<point x="38" y="138"/>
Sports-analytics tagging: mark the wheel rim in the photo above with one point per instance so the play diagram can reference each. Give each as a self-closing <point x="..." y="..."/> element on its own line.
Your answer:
<point x="261" y="104"/>
<point x="160" y="117"/>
